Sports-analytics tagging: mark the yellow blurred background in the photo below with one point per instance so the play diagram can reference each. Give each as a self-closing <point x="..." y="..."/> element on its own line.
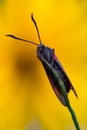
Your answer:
<point x="27" y="101"/>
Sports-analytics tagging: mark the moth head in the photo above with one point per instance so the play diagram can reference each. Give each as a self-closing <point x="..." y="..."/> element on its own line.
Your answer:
<point x="40" y="48"/>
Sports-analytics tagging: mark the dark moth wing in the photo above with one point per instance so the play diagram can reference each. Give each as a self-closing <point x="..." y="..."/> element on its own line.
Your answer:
<point x="64" y="77"/>
<point x="54" y="85"/>
<point x="54" y="62"/>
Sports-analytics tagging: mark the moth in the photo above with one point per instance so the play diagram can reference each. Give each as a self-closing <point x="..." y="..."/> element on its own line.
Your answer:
<point x="49" y="55"/>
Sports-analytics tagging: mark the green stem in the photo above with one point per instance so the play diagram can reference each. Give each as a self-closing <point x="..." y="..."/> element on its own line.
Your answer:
<point x="63" y="90"/>
<point x="68" y="103"/>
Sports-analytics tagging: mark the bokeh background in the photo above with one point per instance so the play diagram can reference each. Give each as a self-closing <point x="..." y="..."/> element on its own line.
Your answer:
<point x="27" y="101"/>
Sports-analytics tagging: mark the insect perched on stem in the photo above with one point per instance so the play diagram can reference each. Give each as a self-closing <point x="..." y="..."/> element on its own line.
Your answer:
<point x="49" y="55"/>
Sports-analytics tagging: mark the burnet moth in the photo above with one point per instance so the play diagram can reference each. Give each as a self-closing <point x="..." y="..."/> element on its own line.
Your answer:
<point x="49" y="55"/>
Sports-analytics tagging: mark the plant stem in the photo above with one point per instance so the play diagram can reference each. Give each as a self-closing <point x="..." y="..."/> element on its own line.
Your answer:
<point x="64" y="93"/>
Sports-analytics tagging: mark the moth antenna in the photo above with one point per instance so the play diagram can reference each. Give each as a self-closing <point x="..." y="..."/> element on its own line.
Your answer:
<point x="36" y="27"/>
<point x="12" y="36"/>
